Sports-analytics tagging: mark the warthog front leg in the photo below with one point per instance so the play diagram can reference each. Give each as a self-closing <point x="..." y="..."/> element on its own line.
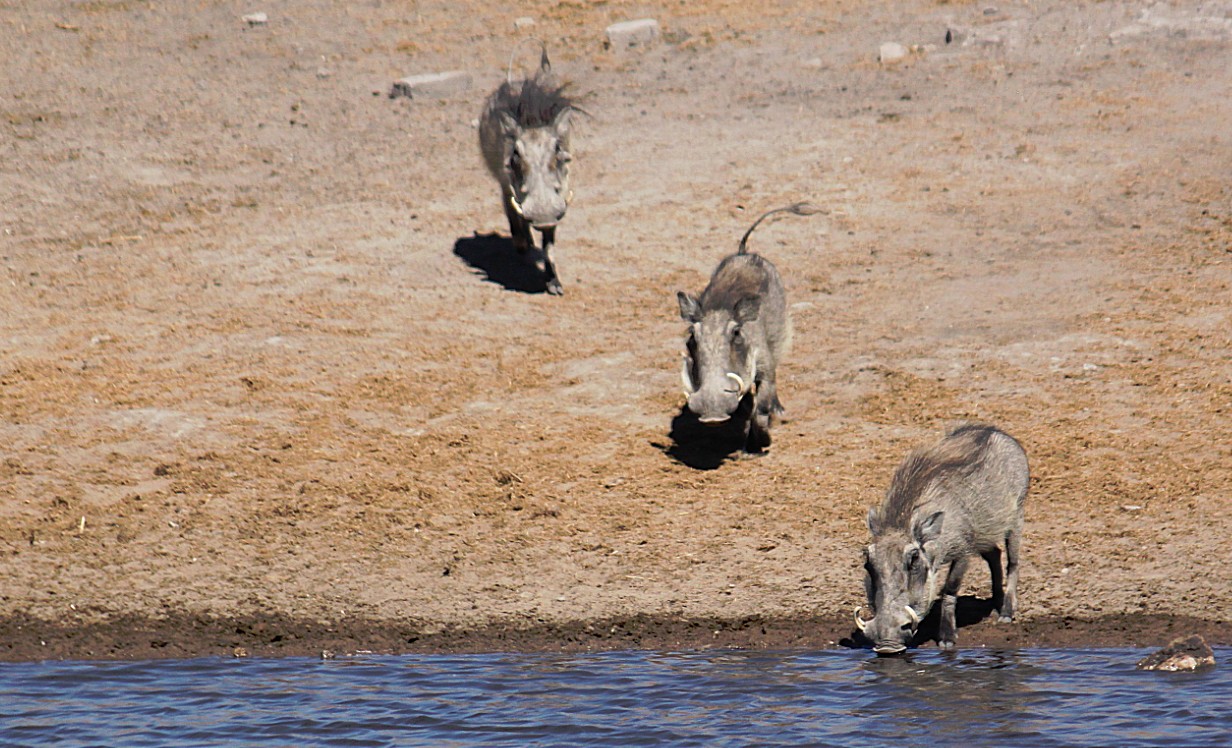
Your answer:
<point x="757" y="440"/>
<point x="549" y="267"/>
<point x="519" y="227"/>
<point x="947" y="634"/>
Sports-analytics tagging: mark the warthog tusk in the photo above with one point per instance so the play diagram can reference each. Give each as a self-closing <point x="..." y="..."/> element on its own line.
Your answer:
<point x="739" y="381"/>
<point x="915" y="618"/>
<point x="517" y="207"/>
<point x="860" y="622"/>
<point x="569" y="197"/>
<point x="685" y="377"/>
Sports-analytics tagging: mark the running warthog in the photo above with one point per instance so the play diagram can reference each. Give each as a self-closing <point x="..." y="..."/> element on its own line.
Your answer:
<point x="946" y="503"/>
<point x="524" y="135"/>
<point x="738" y="332"/>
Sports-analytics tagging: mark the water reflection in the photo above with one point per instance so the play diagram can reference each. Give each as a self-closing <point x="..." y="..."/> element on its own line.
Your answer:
<point x="951" y="691"/>
<point x="970" y="697"/>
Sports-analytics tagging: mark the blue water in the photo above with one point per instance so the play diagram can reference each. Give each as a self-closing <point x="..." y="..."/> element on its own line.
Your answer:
<point x="716" y="698"/>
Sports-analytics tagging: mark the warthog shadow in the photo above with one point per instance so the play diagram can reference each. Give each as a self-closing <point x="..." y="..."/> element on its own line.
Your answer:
<point x="493" y="256"/>
<point x="704" y="447"/>
<point x="969" y="611"/>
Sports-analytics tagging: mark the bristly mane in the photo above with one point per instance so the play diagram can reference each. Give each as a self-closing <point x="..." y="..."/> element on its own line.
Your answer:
<point x="960" y="453"/>
<point x="535" y="101"/>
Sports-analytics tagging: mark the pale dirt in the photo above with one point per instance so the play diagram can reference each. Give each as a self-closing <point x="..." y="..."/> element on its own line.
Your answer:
<point x="263" y="369"/>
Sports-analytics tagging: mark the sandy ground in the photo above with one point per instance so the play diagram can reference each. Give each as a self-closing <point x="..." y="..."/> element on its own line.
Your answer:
<point x="271" y="376"/>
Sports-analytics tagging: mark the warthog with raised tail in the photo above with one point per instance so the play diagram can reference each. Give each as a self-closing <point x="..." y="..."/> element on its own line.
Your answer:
<point x="738" y="333"/>
<point x="524" y="135"/>
<point x="946" y="503"/>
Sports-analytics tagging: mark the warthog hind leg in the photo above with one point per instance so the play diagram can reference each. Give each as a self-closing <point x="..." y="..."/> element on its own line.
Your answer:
<point x="1013" y="547"/>
<point x="993" y="558"/>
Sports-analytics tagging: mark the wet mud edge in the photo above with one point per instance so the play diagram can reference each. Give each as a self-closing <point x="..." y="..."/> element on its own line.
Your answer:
<point x="183" y="636"/>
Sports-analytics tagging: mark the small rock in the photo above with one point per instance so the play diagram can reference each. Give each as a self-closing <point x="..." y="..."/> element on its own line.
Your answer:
<point x="523" y="22"/>
<point x="892" y="52"/>
<point x="628" y="34"/>
<point x="239" y="652"/>
<point x="431" y="86"/>
<point x="1189" y="653"/>
<point x="256" y="19"/>
<point x="327" y="654"/>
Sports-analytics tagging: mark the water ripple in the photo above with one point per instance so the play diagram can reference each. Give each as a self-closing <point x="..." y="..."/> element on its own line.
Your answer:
<point x="717" y="698"/>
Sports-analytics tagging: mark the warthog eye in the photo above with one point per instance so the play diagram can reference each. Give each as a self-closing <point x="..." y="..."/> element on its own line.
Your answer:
<point x="913" y="558"/>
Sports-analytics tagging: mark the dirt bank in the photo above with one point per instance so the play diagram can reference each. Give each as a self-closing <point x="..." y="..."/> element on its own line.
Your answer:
<point x="265" y="368"/>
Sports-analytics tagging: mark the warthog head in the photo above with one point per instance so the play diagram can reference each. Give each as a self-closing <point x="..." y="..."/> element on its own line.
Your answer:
<point x="899" y="579"/>
<point x="536" y="130"/>
<point x="719" y="368"/>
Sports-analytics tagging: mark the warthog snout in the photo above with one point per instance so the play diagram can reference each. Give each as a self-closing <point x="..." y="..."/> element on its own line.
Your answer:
<point x="890" y="634"/>
<point x="539" y="175"/>
<point x="717" y="399"/>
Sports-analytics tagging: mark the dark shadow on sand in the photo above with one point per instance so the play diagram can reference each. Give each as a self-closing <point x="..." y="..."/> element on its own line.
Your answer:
<point x="704" y="447"/>
<point x="493" y="257"/>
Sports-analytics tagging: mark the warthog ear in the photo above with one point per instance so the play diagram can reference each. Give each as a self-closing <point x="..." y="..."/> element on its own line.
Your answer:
<point x="690" y="308"/>
<point x="928" y="528"/>
<point x="747" y="309"/>
<point x="874" y="521"/>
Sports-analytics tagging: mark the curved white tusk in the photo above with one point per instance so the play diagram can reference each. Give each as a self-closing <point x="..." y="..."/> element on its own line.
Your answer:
<point x="517" y="207"/>
<point x="739" y="381"/>
<point x="915" y="618"/>
<point x="569" y="197"/>
<point x="860" y="622"/>
<point x="685" y="377"/>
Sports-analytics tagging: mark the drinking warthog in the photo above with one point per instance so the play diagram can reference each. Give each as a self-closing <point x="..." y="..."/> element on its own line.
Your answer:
<point x="738" y="332"/>
<point x="959" y="497"/>
<point x="524" y="135"/>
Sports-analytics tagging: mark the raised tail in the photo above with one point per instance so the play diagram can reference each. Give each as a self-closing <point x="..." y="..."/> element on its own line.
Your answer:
<point x="798" y="209"/>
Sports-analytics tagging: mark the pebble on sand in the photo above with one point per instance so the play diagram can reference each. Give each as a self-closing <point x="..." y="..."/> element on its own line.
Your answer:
<point x="892" y="52"/>
<point x="431" y="86"/>
<point x="628" y="34"/>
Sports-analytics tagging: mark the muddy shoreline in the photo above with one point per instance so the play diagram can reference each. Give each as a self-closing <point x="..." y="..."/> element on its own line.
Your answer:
<point x="134" y="638"/>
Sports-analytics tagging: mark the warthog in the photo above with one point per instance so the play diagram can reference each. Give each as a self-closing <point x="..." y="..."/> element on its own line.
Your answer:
<point x="524" y="135"/>
<point x="738" y="333"/>
<point x="947" y="502"/>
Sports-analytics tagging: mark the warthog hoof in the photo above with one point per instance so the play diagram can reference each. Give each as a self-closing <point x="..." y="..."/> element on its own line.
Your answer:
<point x="554" y="288"/>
